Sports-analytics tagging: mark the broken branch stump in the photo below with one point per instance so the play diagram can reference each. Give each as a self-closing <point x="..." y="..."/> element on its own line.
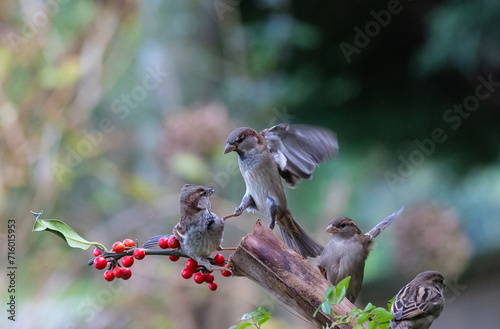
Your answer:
<point x="267" y="261"/>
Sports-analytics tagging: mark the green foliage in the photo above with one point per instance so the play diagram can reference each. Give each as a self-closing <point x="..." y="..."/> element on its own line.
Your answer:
<point x="255" y="318"/>
<point x="375" y="317"/>
<point x="63" y="231"/>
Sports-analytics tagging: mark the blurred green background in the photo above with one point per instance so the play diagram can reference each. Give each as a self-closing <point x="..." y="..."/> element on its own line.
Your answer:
<point x="108" y="107"/>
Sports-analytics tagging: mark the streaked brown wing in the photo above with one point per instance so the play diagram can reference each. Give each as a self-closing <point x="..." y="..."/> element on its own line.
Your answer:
<point x="413" y="301"/>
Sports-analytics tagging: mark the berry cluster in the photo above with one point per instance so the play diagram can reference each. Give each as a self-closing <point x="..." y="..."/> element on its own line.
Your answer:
<point x="115" y="270"/>
<point x="126" y="251"/>
<point x="199" y="273"/>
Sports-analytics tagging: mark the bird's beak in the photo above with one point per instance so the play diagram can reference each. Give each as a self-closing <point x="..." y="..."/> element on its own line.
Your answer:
<point x="229" y="148"/>
<point x="331" y="229"/>
<point x="209" y="191"/>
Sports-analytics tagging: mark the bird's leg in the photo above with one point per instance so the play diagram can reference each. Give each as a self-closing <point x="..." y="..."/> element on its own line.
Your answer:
<point x="246" y="202"/>
<point x="229" y="216"/>
<point x="272" y="209"/>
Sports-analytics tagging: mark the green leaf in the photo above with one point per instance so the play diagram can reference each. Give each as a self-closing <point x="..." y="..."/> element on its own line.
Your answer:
<point x="329" y="292"/>
<point x="233" y="327"/>
<point x="369" y="307"/>
<point x="344" y="284"/>
<point x="244" y="325"/>
<point x="380" y="314"/>
<point x="358" y="326"/>
<point x="384" y="326"/>
<point x="372" y="325"/>
<point x="62" y="230"/>
<point x="261" y="309"/>
<point x="355" y="312"/>
<point x="340" y="296"/>
<point x="332" y="298"/>
<point x="262" y="318"/>
<point x="317" y="310"/>
<point x="363" y="317"/>
<point x="326" y="307"/>
<point x="389" y="303"/>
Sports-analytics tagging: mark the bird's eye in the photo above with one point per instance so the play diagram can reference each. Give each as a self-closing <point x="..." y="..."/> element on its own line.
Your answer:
<point x="239" y="140"/>
<point x="343" y="225"/>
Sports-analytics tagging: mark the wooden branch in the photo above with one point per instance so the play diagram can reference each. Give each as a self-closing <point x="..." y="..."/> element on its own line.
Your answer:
<point x="267" y="261"/>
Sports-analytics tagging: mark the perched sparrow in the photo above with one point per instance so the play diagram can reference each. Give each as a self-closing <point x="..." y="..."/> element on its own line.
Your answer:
<point x="346" y="253"/>
<point x="199" y="231"/>
<point x="292" y="151"/>
<point x="419" y="303"/>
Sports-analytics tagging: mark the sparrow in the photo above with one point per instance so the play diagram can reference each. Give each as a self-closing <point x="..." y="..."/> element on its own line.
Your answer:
<point x="419" y="303"/>
<point x="199" y="230"/>
<point x="288" y="151"/>
<point x="346" y="252"/>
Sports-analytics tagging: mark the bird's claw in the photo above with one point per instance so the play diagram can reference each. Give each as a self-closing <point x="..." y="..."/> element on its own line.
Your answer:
<point x="237" y="212"/>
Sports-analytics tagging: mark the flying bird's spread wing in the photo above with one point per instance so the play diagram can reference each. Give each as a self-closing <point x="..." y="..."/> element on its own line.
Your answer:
<point x="414" y="301"/>
<point x="298" y="149"/>
<point x="372" y="234"/>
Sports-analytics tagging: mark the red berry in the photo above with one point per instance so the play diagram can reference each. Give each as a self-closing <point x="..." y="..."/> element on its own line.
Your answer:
<point x="173" y="242"/>
<point x="225" y="272"/>
<point x="109" y="276"/>
<point x="173" y="258"/>
<point x="186" y="273"/>
<point x="212" y="286"/>
<point x="163" y="243"/>
<point x="128" y="261"/>
<point x="100" y="263"/>
<point x="139" y="253"/>
<point x="192" y="265"/>
<point x="97" y="252"/>
<point x="129" y="243"/>
<point x="118" y="247"/>
<point x="199" y="278"/>
<point x="209" y="278"/>
<point x="127" y="273"/>
<point x="219" y="259"/>
<point x="118" y="272"/>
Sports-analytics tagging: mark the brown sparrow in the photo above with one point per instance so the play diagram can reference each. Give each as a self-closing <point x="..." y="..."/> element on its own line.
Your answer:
<point x="199" y="231"/>
<point x="346" y="252"/>
<point x="289" y="151"/>
<point x="419" y="303"/>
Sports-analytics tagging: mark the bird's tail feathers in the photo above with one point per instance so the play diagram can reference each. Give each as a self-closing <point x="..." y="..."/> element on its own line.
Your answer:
<point x="297" y="238"/>
<point x="153" y="241"/>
